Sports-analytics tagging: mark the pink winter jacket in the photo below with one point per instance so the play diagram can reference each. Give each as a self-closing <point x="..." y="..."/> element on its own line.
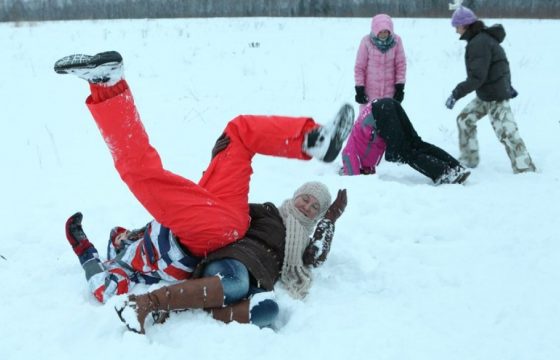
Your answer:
<point x="365" y="147"/>
<point x="377" y="71"/>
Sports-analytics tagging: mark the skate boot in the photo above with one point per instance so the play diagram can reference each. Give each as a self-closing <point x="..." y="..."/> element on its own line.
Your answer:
<point x="325" y="142"/>
<point x="104" y="68"/>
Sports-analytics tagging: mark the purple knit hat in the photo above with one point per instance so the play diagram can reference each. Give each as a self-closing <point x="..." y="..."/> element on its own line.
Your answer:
<point x="463" y="16"/>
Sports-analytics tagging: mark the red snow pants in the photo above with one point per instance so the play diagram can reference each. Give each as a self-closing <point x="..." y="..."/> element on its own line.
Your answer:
<point x="215" y="212"/>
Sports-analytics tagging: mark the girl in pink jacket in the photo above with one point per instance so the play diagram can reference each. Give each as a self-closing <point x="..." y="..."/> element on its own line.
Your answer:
<point x="380" y="69"/>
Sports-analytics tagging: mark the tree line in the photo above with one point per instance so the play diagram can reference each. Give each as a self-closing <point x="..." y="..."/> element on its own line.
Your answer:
<point x="41" y="10"/>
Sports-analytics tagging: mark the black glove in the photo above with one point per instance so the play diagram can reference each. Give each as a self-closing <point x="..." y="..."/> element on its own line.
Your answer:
<point x="513" y="93"/>
<point x="318" y="249"/>
<point x="399" y="92"/>
<point x="337" y="207"/>
<point x="320" y="244"/>
<point x="221" y="144"/>
<point x="361" y="97"/>
<point x="450" y="102"/>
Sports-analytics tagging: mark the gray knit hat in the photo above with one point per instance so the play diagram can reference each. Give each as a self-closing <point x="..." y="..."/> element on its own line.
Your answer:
<point x="319" y="191"/>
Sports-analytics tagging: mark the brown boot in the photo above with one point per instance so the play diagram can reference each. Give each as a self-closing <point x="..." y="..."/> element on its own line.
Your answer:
<point x="236" y="312"/>
<point x="189" y="294"/>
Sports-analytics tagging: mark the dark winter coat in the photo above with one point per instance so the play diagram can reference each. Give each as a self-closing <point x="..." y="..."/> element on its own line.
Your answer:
<point x="487" y="65"/>
<point x="262" y="248"/>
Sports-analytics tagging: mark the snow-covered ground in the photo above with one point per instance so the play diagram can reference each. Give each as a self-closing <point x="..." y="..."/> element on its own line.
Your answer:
<point x="416" y="271"/>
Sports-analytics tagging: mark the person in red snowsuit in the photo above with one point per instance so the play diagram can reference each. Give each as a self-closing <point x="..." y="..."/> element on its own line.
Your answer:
<point x="190" y="220"/>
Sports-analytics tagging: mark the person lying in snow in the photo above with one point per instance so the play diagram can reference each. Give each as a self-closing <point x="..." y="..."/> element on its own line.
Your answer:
<point x="277" y="247"/>
<point x="192" y="221"/>
<point x="384" y="128"/>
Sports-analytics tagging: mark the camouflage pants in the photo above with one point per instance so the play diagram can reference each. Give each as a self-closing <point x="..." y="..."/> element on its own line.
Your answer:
<point x="505" y="127"/>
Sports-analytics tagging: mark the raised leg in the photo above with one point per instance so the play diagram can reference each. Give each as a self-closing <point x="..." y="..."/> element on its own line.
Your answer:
<point x="228" y="174"/>
<point x="214" y="213"/>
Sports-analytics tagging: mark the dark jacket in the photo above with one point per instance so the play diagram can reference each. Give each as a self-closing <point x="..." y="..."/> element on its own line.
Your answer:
<point x="262" y="248"/>
<point x="487" y="64"/>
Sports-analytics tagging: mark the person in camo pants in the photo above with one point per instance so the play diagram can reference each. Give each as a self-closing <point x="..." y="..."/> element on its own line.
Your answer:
<point x="488" y="74"/>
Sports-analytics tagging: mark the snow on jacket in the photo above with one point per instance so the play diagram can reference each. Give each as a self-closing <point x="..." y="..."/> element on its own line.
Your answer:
<point x="487" y="64"/>
<point x="377" y="71"/>
<point x="365" y="147"/>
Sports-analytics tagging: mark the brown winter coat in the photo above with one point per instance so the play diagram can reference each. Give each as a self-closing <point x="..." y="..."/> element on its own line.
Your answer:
<point x="262" y="248"/>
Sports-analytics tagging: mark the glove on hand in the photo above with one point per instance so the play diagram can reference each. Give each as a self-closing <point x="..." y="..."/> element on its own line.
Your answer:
<point x="221" y="144"/>
<point x="450" y="102"/>
<point x="399" y="92"/>
<point x="513" y="92"/>
<point x="337" y="207"/>
<point x="361" y="97"/>
<point x="320" y="244"/>
<point x="317" y="251"/>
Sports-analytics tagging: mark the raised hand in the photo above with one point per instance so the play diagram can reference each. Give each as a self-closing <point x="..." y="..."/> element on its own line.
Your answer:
<point x="338" y="206"/>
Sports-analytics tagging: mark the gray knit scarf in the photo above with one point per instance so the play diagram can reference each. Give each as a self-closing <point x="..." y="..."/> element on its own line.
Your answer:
<point x="295" y="276"/>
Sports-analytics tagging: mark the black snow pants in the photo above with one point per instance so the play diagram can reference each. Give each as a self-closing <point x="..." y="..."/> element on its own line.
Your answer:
<point x="405" y="146"/>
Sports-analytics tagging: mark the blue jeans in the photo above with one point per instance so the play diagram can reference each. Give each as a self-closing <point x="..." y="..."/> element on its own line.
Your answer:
<point x="236" y="283"/>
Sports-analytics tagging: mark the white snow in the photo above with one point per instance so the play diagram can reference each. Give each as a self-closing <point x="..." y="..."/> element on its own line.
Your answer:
<point x="415" y="271"/>
<point x="127" y="313"/>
